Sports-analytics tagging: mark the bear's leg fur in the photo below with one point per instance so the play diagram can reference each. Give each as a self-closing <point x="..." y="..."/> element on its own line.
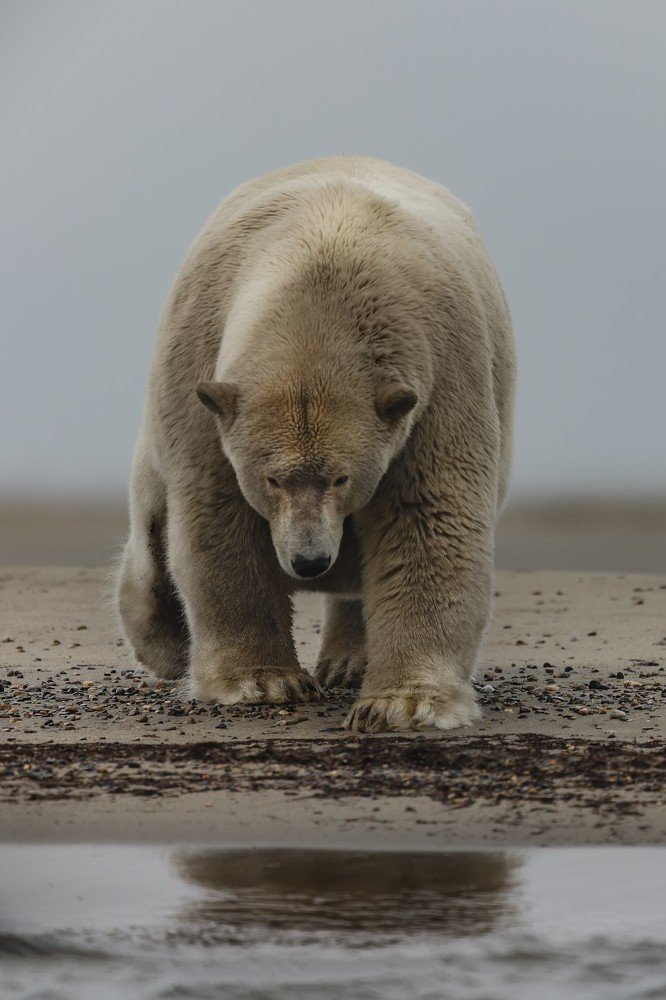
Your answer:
<point x="151" y="613"/>
<point x="238" y="606"/>
<point x="342" y="657"/>
<point x="428" y="556"/>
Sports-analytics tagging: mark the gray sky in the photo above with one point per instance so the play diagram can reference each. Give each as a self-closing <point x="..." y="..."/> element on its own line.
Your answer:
<point x="123" y="124"/>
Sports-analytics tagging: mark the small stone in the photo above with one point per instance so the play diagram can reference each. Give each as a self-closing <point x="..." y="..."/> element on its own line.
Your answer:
<point x="617" y="713"/>
<point x="488" y="687"/>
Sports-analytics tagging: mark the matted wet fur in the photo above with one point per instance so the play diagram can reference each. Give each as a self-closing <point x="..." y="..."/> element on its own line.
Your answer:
<point x="345" y="331"/>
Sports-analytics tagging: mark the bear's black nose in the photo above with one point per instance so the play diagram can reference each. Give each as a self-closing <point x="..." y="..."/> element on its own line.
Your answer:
<point x="310" y="567"/>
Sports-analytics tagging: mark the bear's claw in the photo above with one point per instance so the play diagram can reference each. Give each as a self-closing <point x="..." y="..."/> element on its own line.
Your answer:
<point x="417" y="709"/>
<point x="343" y="671"/>
<point x="269" y="685"/>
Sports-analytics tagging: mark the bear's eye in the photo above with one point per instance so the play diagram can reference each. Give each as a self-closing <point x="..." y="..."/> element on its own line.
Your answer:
<point x="341" y="480"/>
<point x="273" y="482"/>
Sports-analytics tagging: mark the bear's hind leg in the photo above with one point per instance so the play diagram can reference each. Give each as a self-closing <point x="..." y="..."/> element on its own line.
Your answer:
<point x="342" y="657"/>
<point x="151" y="613"/>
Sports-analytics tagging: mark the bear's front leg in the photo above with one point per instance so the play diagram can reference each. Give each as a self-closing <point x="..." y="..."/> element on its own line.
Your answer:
<point x="428" y="575"/>
<point x="238" y="607"/>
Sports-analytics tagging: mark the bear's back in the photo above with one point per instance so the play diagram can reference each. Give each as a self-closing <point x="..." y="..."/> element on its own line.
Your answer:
<point x="266" y="196"/>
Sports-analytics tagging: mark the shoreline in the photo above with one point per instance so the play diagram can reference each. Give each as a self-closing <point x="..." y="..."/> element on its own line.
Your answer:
<point x="570" y="749"/>
<point x="390" y="792"/>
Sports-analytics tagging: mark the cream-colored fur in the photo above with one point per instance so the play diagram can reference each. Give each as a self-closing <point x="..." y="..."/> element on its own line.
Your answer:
<point x="343" y="325"/>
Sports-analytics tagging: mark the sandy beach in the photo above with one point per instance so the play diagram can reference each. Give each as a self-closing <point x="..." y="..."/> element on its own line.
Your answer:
<point x="570" y="749"/>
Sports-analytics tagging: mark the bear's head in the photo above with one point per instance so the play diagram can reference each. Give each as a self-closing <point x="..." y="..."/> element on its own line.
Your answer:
<point x="308" y="453"/>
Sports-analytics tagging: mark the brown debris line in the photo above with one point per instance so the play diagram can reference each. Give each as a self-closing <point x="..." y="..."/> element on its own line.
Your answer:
<point x="487" y="769"/>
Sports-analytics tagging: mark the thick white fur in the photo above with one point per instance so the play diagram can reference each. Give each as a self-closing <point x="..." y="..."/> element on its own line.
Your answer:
<point x="345" y="320"/>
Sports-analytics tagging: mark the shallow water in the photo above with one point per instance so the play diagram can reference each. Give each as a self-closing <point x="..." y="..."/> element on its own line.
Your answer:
<point x="153" y="922"/>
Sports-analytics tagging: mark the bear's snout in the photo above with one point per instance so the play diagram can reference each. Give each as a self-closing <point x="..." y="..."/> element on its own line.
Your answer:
<point x="309" y="568"/>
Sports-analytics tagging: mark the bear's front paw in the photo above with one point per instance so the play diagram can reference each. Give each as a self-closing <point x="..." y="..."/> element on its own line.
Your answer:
<point x="261" y="684"/>
<point x="414" y="708"/>
<point x="341" y="671"/>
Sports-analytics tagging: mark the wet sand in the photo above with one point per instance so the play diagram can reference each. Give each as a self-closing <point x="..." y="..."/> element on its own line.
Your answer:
<point x="570" y="749"/>
<point x="155" y="922"/>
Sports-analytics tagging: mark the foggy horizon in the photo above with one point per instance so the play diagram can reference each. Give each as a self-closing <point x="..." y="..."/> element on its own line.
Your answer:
<point x="125" y="125"/>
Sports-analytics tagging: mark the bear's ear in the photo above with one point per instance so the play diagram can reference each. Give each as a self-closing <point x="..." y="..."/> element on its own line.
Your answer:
<point x="394" y="402"/>
<point x="221" y="398"/>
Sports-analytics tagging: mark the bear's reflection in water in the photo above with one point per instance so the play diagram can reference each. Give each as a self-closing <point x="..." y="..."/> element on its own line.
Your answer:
<point x="315" y="891"/>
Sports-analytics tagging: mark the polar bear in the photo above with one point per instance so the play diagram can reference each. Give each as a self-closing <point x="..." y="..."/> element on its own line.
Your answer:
<point x="329" y="408"/>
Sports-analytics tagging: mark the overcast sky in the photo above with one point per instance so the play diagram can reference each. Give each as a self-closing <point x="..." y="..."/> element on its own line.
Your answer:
<point x="123" y="124"/>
